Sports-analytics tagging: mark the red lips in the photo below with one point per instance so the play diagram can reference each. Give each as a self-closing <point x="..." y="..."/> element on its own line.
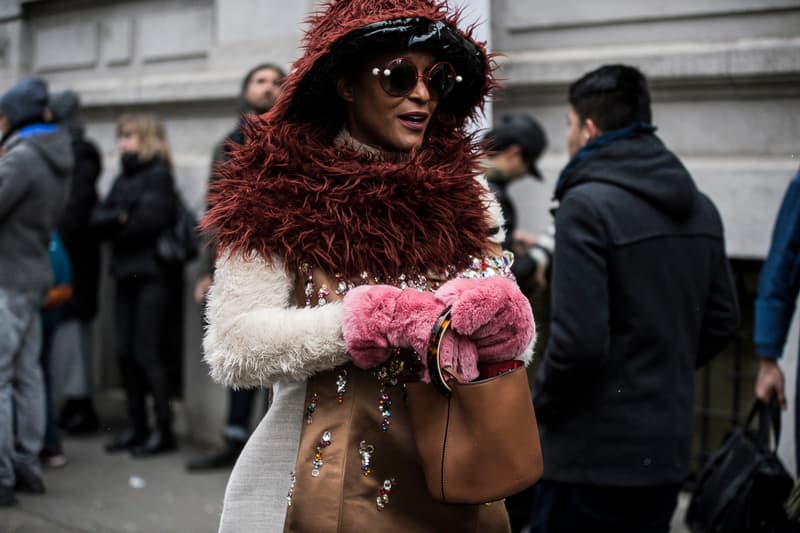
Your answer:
<point x="414" y="121"/>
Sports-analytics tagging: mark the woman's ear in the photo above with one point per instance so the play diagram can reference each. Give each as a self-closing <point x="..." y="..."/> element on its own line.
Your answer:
<point x="344" y="88"/>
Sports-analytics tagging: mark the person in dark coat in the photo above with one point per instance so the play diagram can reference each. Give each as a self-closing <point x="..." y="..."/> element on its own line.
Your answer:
<point x="778" y="287"/>
<point x="642" y="295"/>
<point x="78" y="414"/>
<point x="260" y="89"/>
<point x="141" y="205"/>
<point x="513" y="148"/>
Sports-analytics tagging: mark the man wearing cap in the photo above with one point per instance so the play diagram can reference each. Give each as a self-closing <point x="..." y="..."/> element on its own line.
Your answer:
<point x="513" y="147"/>
<point x="35" y="167"/>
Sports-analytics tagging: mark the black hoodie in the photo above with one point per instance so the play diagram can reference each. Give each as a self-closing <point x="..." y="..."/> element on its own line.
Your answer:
<point x="642" y="294"/>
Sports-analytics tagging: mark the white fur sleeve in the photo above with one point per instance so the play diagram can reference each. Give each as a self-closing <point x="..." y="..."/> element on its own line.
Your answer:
<point x="495" y="212"/>
<point x="256" y="336"/>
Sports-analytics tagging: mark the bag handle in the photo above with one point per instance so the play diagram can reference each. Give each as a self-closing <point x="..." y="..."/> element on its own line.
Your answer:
<point x="435" y="371"/>
<point x="769" y="417"/>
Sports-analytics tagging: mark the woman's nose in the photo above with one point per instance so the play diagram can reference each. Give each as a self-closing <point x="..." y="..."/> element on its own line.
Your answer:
<point x="420" y="91"/>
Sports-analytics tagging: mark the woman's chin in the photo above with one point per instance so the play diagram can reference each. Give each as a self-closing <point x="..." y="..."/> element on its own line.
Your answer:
<point x="407" y="143"/>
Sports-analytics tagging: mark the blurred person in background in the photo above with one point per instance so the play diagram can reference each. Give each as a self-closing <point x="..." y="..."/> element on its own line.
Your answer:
<point x="778" y="286"/>
<point x="513" y="148"/>
<point x="72" y="349"/>
<point x="642" y="295"/>
<point x="35" y="167"/>
<point x="59" y="295"/>
<point x="260" y="89"/>
<point x="141" y="205"/>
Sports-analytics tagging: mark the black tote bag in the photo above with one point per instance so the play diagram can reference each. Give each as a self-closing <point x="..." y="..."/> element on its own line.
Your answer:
<point x="743" y="485"/>
<point x="179" y="243"/>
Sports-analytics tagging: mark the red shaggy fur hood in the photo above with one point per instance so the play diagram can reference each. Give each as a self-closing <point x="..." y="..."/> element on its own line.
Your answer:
<point x="289" y="191"/>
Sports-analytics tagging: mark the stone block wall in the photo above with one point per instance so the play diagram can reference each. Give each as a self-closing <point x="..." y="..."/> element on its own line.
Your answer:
<point x="725" y="77"/>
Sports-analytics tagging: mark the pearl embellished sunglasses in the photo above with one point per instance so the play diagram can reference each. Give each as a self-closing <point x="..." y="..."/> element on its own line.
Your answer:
<point x="400" y="76"/>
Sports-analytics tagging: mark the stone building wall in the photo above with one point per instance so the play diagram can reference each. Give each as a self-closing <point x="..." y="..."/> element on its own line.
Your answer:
<point x="725" y="76"/>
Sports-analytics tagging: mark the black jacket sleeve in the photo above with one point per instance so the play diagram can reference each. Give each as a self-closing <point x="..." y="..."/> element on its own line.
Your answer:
<point x="83" y="196"/>
<point x="580" y="330"/>
<point x="721" y="316"/>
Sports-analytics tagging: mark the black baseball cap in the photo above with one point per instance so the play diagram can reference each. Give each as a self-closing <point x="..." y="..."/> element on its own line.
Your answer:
<point x="522" y="130"/>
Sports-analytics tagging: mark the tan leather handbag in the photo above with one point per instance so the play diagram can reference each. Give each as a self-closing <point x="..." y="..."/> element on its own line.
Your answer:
<point x="478" y="441"/>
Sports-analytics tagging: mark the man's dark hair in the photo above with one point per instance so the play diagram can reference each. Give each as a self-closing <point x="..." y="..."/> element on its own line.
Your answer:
<point x="613" y="96"/>
<point x="262" y="66"/>
<point x="521" y="130"/>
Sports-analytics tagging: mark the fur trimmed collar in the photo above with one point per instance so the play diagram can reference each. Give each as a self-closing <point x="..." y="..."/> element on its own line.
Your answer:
<point x="338" y="208"/>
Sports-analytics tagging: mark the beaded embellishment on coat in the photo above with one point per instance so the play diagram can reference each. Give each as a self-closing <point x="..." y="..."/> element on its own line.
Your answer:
<point x="341" y="386"/>
<point x="477" y="267"/>
<point x="290" y="495"/>
<point x="311" y="407"/>
<point x="365" y="451"/>
<point x="385" y="491"/>
<point x="403" y="365"/>
<point x="318" y="459"/>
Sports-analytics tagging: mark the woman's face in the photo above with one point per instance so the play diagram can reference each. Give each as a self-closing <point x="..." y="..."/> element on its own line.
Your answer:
<point x="393" y="123"/>
<point x="127" y="140"/>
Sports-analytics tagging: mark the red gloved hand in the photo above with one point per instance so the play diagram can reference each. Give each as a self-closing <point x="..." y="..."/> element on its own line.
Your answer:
<point x="493" y="313"/>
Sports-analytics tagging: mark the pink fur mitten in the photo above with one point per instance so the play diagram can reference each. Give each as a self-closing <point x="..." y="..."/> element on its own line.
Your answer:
<point x="460" y="354"/>
<point x="415" y="313"/>
<point x="367" y="312"/>
<point x="493" y="313"/>
<point x="379" y="317"/>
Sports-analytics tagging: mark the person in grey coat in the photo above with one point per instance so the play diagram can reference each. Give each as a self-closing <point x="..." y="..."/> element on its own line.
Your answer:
<point x="35" y="166"/>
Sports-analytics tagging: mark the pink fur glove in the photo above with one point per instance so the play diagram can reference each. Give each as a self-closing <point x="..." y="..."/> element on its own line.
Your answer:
<point x="379" y="317"/>
<point x="493" y="313"/>
<point x="367" y="312"/>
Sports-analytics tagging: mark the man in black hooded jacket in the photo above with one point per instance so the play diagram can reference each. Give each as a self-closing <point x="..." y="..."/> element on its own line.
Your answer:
<point x="642" y="294"/>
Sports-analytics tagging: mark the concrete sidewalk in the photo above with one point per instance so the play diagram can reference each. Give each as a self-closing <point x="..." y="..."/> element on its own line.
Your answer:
<point x="102" y="493"/>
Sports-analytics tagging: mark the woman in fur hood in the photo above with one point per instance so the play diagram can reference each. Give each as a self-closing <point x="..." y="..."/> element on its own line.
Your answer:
<point x="347" y="223"/>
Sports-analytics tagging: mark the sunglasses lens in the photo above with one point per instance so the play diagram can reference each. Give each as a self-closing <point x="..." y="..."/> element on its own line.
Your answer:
<point x="441" y="80"/>
<point x="402" y="77"/>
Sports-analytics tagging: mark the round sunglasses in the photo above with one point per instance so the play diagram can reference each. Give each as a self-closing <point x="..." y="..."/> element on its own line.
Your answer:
<point x="400" y="76"/>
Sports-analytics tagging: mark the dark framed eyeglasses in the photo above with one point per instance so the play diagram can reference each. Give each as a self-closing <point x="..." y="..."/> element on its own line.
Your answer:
<point x="399" y="77"/>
